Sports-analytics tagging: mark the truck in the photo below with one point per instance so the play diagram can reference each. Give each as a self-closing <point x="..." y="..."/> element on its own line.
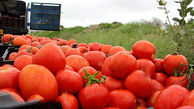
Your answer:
<point x="17" y="17"/>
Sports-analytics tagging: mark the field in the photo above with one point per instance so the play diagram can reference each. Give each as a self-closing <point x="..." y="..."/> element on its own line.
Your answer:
<point x="126" y="35"/>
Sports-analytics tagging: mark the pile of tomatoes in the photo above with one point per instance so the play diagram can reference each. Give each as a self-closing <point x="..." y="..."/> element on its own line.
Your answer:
<point x="94" y="75"/>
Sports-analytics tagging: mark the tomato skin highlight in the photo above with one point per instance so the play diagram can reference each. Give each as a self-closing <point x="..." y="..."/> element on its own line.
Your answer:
<point x="68" y="101"/>
<point x="171" y="97"/>
<point x="172" y="62"/>
<point x="36" y="79"/>
<point x="123" y="99"/>
<point x="91" y="96"/>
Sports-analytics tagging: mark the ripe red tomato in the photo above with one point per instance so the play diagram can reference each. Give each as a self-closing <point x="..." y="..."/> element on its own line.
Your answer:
<point x="111" y="108"/>
<point x="141" y="101"/>
<point x="160" y="77"/>
<point x="94" y="46"/>
<point x="189" y="100"/>
<point x="95" y="58"/>
<point x="9" y="77"/>
<point x="144" y="49"/>
<point x="36" y="79"/>
<point x="123" y="99"/>
<point x="172" y="62"/>
<point x="121" y="64"/>
<point x="177" y="80"/>
<point x="171" y="97"/>
<point x="50" y="56"/>
<point x="12" y="56"/>
<point x="105" y="69"/>
<point x="115" y="50"/>
<point x="156" y="86"/>
<point x="106" y="48"/>
<point x="159" y="64"/>
<point x="147" y="66"/>
<point x="68" y="101"/>
<point x="113" y="83"/>
<point x="139" y="83"/>
<point x="21" y="61"/>
<point x="94" y="96"/>
<point x="185" y="107"/>
<point x="36" y="97"/>
<point x="69" y="81"/>
<point x="73" y="51"/>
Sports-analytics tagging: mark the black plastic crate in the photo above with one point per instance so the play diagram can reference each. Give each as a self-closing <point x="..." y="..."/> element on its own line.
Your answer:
<point x="5" y="56"/>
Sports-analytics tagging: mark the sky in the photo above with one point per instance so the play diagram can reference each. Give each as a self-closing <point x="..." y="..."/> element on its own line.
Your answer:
<point x="89" y="12"/>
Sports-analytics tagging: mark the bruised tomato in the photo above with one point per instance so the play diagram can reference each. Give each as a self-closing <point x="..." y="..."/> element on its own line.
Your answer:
<point x="36" y="79"/>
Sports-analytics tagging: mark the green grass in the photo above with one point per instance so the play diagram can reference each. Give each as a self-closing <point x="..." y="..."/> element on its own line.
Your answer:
<point x="125" y="35"/>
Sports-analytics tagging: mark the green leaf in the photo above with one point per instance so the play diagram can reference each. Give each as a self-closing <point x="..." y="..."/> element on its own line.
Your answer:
<point x="176" y="19"/>
<point x="187" y="2"/>
<point x="177" y="1"/>
<point x="192" y="13"/>
<point x="183" y="6"/>
<point x="188" y="10"/>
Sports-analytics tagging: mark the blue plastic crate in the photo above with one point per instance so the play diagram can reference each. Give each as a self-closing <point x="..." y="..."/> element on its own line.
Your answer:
<point x="45" y="16"/>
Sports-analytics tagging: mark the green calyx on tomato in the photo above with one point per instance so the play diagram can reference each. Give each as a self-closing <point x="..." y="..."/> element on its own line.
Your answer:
<point x="92" y="78"/>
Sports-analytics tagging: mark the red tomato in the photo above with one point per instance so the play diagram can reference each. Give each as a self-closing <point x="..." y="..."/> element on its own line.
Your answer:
<point x="94" y="46"/>
<point x="186" y="107"/>
<point x="23" y="52"/>
<point x="115" y="50"/>
<point x="105" y="69"/>
<point x="147" y="66"/>
<point x="152" y="98"/>
<point x="72" y="51"/>
<point x="21" y="61"/>
<point x="68" y="68"/>
<point x="71" y="41"/>
<point x="111" y="108"/>
<point x="112" y="83"/>
<point x="68" y="101"/>
<point x="83" y="49"/>
<point x="139" y="83"/>
<point x="106" y="48"/>
<point x="82" y="45"/>
<point x="144" y="49"/>
<point x="160" y="77"/>
<point x="6" y="38"/>
<point x="177" y="80"/>
<point x="159" y="64"/>
<point x="121" y="64"/>
<point x="12" y="56"/>
<point x="171" y="97"/>
<point x="172" y="62"/>
<point x="9" y="77"/>
<point x="69" y="81"/>
<point x="90" y="70"/>
<point x="50" y="56"/>
<point x="65" y="48"/>
<point x="36" y="97"/>
<point x="156" y="86"/>
<point x="189" y="100"/>
<point x="36" y="79"/>
<point x="141" y="101"/>
<point x="123" y="99"/>
<point x="95" y="58"/>
<point x="94" y="96"/>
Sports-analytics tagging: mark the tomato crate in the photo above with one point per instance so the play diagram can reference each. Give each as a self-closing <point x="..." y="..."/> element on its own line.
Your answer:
<point x="8" y="102"/>
<point x="5" y="56"/>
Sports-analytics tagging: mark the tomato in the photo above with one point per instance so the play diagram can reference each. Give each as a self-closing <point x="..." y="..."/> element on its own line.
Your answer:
<point x="139" y="83"/>
<point x="171" y="97"/>
<point x="147" y="66"/>
<point x="144" y="49"/>
<point x="71" y="41"/>
<point x="12" y="56"/>
<point x="105" y="66"/>
<point x="115" y="50"/>
<point x="186" y="107"/>
<point x="177" y="80"/>
<point x="172" y="62"/>
<point x="35" y="44"/>
<point x="189" y="99"/>
<point x="77" y="62"/>
<point x="15" y="95"/>
<point x="21" y="61"/>
<point x="94" y="96"/>
<point x="123" y="99"/>
<point x="23" y="52"/>
<point x="94" y="46"/>
<point x="65" y="48"/>
<point x="62" y="42"/>
<point x="69" y="81"/>
<point x="36" y="79"/>
<point x="90" y="70"/>
<point x="50" y="56"/>
<point x="20" y="41"/>
<point x="6" y="38"/>
<point x="106" y="48"/>
<point x="152" y="98"/>
<point x="82" y="45"/>
<point x="9" y="77"/>
<point x="141" y="101"/>
<point x="156" y="86"/>
<point x="73" y="51"/>
<point x="141" y="107"/>
<point x="68" y="101"/>
<point x="68" y="68"/>
<point x="36" y="97"/>
<point x="159" y="64"/>
<point x="111" y="108"/>
<point x="160" y="77"/>
<point x="95" y="58"/>
<point x="121" y="65"/>
<point x="83" y="49"/>
<point x="112" y="83"/>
